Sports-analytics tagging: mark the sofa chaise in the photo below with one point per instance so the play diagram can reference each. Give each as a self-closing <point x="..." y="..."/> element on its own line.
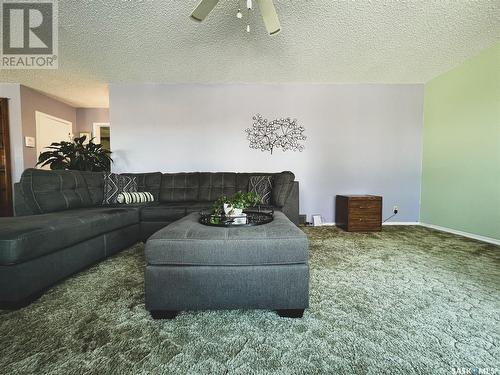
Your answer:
<point x="61" y="225"/>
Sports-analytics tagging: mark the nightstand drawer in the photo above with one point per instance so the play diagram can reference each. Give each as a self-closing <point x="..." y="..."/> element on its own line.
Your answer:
<point x="357" y="216"/>
<point x="364" y="224"/>
<point x="369" y="211"/>
<point x="364" y="219"/>
<point x="365" y="205"/>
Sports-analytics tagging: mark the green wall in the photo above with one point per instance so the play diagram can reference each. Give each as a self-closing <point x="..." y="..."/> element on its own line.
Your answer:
<point x="461" y="155"/>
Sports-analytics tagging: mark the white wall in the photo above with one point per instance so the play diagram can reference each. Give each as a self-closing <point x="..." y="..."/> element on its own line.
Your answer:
<point x="361" y="138"/>
<point x="13" y="92"/>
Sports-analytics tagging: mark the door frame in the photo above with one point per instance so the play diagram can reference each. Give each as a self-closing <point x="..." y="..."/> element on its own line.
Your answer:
<point x="38" y="116"/>
<point x="5" y="123"/>
<point x="98" y="125"/>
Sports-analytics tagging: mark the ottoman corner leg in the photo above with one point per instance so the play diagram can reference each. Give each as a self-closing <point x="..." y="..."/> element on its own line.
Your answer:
<point x="291" y="313"/>
<point x="163" y="314"/>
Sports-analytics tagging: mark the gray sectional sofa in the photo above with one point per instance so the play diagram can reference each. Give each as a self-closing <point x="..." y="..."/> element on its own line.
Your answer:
<point x="61" y="225"/>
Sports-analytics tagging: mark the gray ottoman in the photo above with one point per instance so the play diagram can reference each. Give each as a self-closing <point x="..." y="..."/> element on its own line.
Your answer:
<point x="196" y="267"/>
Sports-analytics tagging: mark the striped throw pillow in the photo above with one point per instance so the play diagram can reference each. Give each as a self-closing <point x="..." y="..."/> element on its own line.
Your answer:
<point x="138" y="197"/>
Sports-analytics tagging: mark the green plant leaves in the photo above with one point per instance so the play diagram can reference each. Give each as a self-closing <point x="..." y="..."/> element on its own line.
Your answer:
<point x="76" y="156"/>
<point x="238" y="200"/>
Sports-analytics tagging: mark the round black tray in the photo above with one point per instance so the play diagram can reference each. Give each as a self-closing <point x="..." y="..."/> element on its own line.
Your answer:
<point x="254" y="217"/>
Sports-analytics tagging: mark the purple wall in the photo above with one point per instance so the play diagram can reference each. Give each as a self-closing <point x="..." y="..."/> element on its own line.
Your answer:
<point x="32" y="101"/>
<point x="85" y="118"/>
<point x="361" y="138"/>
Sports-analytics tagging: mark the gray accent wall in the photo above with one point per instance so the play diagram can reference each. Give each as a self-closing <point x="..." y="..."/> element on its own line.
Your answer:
<point x="32" y="101"/>
<point x="85" y="118"/>
<point x="362" y="139"/>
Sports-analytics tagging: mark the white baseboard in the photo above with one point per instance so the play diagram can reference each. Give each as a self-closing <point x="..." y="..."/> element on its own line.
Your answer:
<point x="463" y="234"/>
<point x="401" y="223"/>
<point x="437" y="227"/>
<point x="386" y="223"/>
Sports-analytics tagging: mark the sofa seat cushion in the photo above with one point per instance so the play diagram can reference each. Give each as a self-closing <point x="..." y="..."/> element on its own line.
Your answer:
<point x="28" y="237"/>
<point x="187" y="242"/>
<point x="172" y="211"/>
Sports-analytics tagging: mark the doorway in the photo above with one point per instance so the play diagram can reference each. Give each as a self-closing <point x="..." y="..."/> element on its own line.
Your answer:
<point x="50" y="129"/>
<point x="102" y="134"/>
<point x="5" y="166"/>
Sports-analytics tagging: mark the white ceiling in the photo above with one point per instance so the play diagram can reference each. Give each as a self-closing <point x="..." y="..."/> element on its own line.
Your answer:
<point x="342" y="41"/>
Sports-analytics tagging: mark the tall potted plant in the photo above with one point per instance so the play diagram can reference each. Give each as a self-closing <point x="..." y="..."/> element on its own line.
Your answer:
<point x="76" y="155"/>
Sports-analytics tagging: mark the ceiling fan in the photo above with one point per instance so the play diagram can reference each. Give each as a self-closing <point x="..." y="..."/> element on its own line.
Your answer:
<point x="267" y="9"/>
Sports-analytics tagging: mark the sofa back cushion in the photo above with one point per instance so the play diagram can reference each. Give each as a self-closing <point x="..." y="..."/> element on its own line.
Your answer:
<point x="179" y="187"/>
<point x="50" y="191"/>
<point x="148" y="182"/>
<point x="95" y="185"/>
<point x="282" y="187"/>
<point x="207" y="186"/>
<point x="213" y="185"/>
<point x="242" y="180"/>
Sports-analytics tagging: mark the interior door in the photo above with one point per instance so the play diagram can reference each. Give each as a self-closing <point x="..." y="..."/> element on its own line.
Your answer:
<point x="50" y="129"/>
<point x="5" y="167"/>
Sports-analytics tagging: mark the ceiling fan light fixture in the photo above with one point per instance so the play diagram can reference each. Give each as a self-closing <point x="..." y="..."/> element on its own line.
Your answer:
<point x="267" y="10"/>
<point x="270" y="17"/>
<point x="203" y="9"/>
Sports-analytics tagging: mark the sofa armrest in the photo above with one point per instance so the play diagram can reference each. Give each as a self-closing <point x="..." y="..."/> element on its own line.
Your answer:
<point x="291" y="207"/>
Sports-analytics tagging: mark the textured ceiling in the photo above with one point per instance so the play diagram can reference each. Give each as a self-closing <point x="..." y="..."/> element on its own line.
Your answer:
<point x="346" y="41"/>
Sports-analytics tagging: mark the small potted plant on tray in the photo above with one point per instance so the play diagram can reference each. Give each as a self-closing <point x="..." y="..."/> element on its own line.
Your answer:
<point x="235" y="204"/>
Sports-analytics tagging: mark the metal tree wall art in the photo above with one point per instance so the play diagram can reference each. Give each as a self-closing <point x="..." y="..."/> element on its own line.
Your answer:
<point x="283" y="133"/>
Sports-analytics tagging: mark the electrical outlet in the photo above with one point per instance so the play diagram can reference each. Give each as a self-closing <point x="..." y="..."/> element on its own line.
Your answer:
<point x="395" y="210"/>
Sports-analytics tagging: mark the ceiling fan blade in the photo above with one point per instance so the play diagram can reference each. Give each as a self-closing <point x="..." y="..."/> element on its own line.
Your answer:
<point x="271" y="20"/>
<point x="203" y="9"/>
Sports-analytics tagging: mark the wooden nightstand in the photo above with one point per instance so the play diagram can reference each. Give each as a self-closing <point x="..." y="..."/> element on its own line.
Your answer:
<point x="358" y="213"/>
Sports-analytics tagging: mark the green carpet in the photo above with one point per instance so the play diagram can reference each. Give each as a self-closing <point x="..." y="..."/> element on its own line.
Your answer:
<point x="407" y="300"/>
